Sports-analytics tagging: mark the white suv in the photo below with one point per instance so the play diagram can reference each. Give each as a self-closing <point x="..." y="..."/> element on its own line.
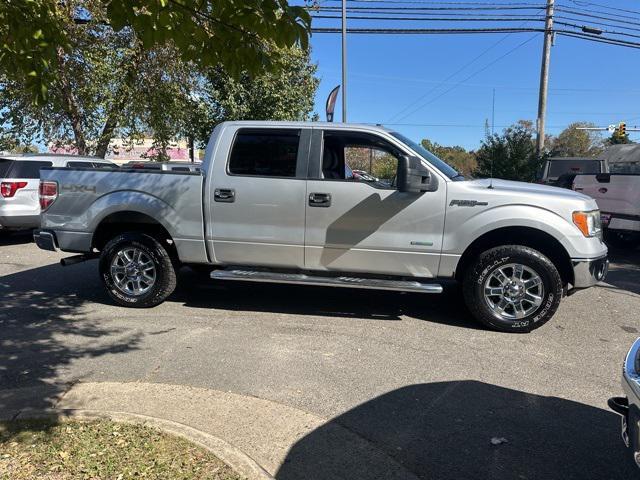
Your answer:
<point x="19" y="181"/>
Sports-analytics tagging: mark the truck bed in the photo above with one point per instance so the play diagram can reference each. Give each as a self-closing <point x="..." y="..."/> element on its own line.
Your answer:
<point x="86" y="198"/>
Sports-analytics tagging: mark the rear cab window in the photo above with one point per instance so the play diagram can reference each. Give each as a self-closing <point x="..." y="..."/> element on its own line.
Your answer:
<point x="265" y="153"/>
<point x="560" y="167"/>
<point x="22" y="168"/>
<point x="80" y="164"/>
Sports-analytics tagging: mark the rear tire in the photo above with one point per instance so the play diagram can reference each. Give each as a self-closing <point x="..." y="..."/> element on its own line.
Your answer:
<point x="512" y="288"/>
<point x="137" y="270"/>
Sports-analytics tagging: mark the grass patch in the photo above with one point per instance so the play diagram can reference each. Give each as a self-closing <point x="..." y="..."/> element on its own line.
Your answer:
<point x="99" y="450"/>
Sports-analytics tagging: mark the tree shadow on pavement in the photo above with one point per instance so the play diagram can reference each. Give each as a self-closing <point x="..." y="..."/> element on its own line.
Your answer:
<point x="444" y="431"/>
<point x="624" y="270"/>
<point x="446" y="308"/>
<point x="43" y="330"/>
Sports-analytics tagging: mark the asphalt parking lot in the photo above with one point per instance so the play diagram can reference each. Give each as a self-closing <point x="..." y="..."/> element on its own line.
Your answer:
<point x="413" y="374"/>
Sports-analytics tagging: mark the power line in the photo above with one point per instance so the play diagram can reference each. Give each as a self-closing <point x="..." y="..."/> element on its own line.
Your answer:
<point x="581" y="3"/>
<point x="591" y="22"/>
<point x="435" y="19"/>
<point x="598" y="39"/>
<point x="423" y="31"/>
<point x="427" y="9"/>
<point x="589" y="15"/>
<point x="611" y="32"/>
<point x="453" y="87"/>
<point x="400" y="11"/>
<point x="436" y="31"/>
<point x="464" y="67"/>
<point x="423" y="2"/>
<point x="511" y="19"/>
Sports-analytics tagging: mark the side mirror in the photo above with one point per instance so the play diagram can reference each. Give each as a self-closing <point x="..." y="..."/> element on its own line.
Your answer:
<point x="414" y="177"/>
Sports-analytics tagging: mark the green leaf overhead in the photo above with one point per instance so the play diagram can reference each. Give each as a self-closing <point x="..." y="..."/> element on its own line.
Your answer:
<point x="233" y="34"/>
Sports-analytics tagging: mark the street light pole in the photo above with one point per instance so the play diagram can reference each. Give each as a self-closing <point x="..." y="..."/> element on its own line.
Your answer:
<point x="344" y="60"/>
<point x="544" y="77"/>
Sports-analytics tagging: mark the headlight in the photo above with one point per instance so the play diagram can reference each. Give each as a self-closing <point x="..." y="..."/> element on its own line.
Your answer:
<point x="588" y="223"/>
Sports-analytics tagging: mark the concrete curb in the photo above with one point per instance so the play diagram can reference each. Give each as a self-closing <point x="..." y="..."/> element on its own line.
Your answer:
<point x="258" y="437"/>
<point x="235" y="458"/>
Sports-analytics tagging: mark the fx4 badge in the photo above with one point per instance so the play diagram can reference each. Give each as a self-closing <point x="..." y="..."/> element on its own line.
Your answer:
<point x="467" y="203"/>
<point x="78" y="188"/>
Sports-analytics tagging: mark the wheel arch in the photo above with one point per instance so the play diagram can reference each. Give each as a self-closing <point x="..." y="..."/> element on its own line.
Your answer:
<point x="531" y="237"/>
<point x="131" y="221"/>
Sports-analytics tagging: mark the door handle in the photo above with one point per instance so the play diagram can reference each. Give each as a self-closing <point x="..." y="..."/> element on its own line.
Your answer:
<point x="227" y="195"/>
<point x="319" y="199"/>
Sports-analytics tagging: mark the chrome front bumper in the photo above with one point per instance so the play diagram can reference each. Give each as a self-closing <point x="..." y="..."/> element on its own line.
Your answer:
<point x="588" y="272"/>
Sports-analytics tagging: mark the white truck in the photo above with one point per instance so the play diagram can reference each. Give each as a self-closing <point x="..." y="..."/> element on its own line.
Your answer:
<point x="278" y="202"/>
<point x="618" y="197"/>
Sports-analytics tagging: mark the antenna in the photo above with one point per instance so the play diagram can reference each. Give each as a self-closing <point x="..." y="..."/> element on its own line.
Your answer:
<point x="491" y="176"/>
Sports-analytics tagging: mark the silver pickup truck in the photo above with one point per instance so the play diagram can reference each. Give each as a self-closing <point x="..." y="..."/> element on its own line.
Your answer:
<point x="279" y="202"/>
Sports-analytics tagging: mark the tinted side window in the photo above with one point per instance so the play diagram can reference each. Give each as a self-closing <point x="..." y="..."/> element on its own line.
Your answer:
<point x="5" y="165"/>
<point x="22" y="169"/>
<point x="265" y="153"/>
<point x="80" y="164"/>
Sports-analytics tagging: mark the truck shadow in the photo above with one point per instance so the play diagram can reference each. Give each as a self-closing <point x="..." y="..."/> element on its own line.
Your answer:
<point x="446" y="308"/>
<point x="444" y="431"/>
<point x="43" y="329"/>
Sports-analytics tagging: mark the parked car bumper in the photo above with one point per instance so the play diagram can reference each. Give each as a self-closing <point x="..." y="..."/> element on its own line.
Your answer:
<point x="588" y="272"/>
<point x="628" y="407"/>
<point x="16" y="222"/>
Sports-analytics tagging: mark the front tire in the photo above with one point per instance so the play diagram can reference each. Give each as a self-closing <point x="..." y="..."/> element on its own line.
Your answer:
<point x="512" y="288"/>
<point x="137" y="270"/>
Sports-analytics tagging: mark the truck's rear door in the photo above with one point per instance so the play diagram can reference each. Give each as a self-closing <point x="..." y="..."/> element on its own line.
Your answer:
<point x="257" y="197"/>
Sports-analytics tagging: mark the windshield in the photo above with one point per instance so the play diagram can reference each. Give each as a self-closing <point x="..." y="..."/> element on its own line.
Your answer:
<point x="444" y="167"/>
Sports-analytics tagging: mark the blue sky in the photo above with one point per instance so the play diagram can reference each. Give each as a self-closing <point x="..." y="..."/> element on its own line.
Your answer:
<point x="389" y="74"/>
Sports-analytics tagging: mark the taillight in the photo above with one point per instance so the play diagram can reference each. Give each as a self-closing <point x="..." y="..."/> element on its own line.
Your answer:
<point x="48" y="194"/>
<point x="9" y="189"/>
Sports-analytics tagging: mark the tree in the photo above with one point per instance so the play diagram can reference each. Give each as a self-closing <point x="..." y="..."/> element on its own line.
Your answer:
<point x="286" y="93"/>
<point x="10" y="145"/>
<point x="237" y="34"/>
<point x="112" y="85"/>
<point x="510" y="155"/>
<point x="456" y="156"/>
<point x="572" y="142"/>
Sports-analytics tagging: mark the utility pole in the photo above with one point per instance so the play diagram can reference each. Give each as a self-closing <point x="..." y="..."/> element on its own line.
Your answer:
<point x="344" y="60"/>
<point x="544" y="77"/>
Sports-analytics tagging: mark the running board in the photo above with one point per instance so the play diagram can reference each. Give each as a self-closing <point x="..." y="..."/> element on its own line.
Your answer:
<point x="303" y="279"/>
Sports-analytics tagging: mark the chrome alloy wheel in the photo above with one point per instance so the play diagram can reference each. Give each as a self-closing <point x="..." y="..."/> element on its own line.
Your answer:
<point x="133" y="271"/>
<point x="513" y="291"/>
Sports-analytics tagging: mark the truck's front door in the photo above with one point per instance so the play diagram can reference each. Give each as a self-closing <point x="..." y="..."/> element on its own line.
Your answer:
<point x="357" y="220"/>
<point x="257" y="197"/>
